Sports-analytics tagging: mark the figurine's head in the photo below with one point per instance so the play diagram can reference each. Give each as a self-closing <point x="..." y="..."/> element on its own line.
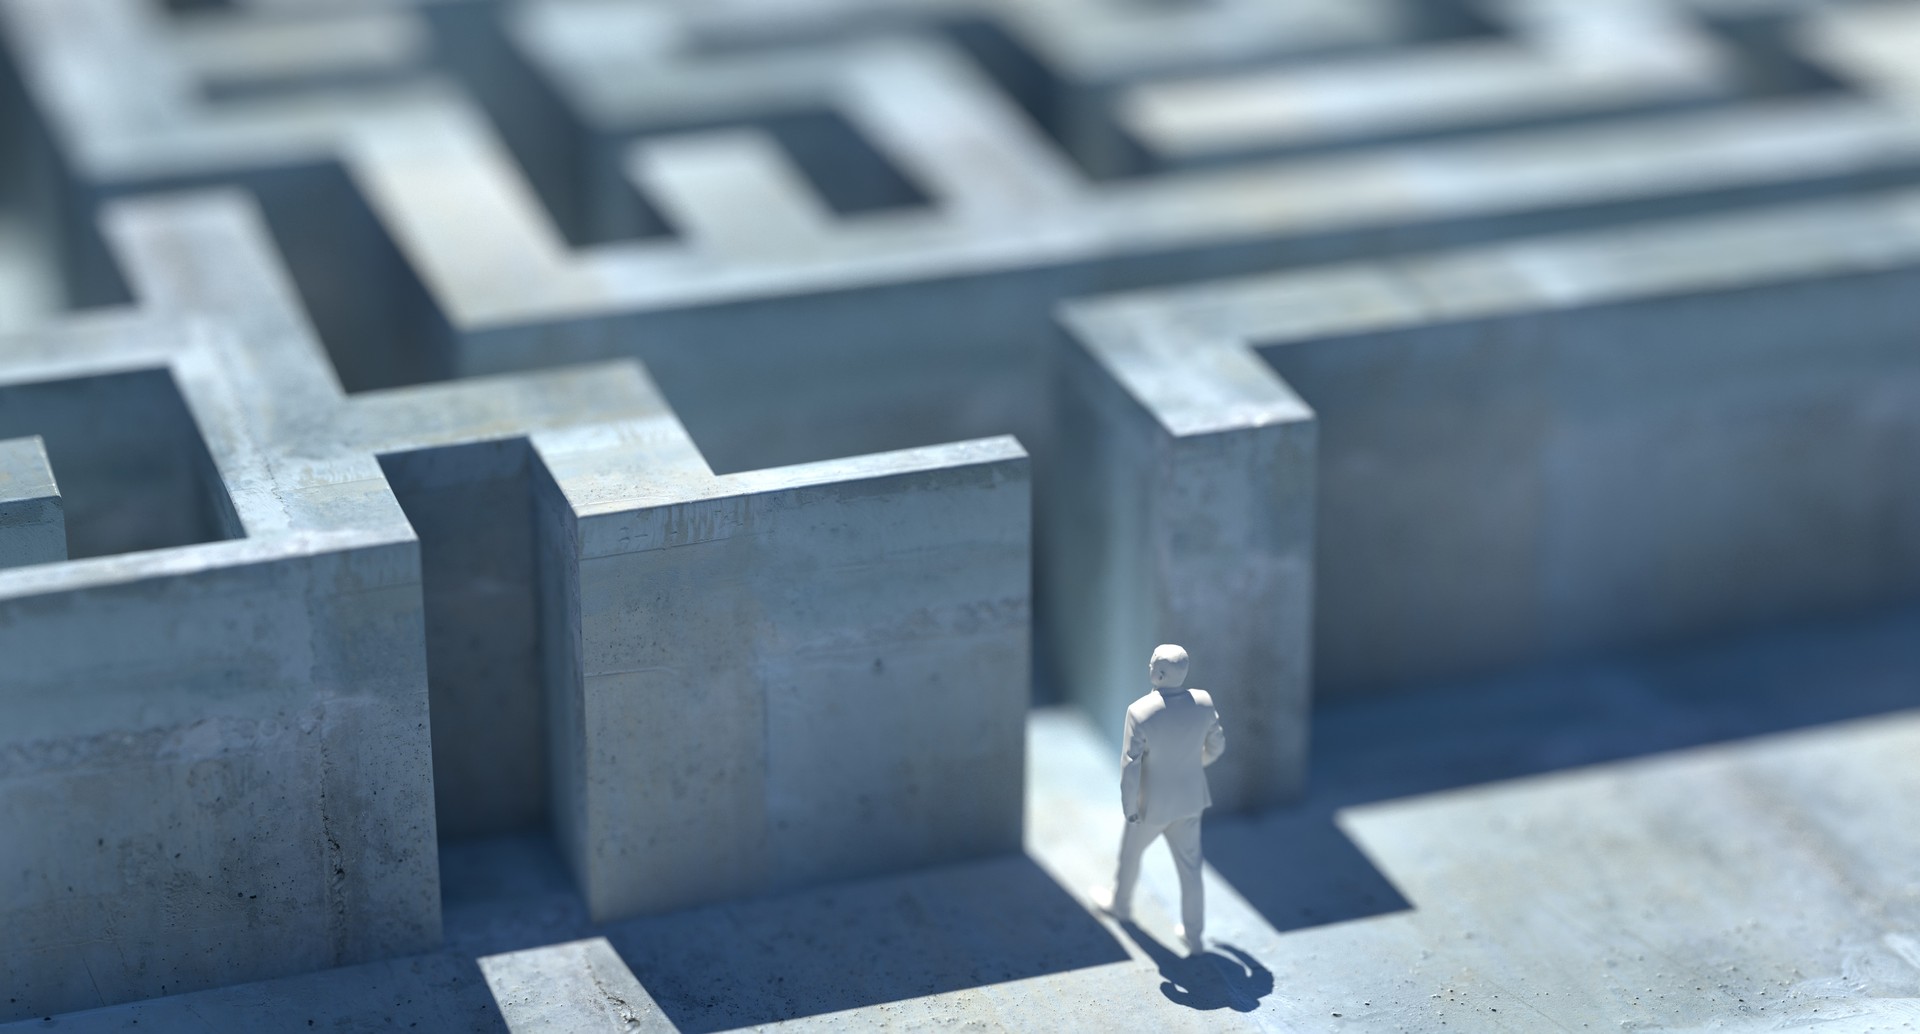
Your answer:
<point x="1168" y="668"/>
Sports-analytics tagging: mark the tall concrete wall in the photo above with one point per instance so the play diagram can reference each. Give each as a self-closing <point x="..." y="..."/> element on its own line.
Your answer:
<point x="214" y="775"/>
<point x="867" y="242"/>
<point x="1549" y="449"/>
<point x="793" y="681"/>
<point x="1174" y="519"/>
<point x="412" y="572"/>
<point x="786" y="327"/>
<point x="865" y="232"/>
<point x="1560" y="483"/>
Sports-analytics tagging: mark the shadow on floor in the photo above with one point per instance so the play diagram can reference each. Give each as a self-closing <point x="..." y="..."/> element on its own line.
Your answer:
<point x="793" y="955"/>
<point x="1223" y="978"/>
<point x="861" y="944"/>
<point x="897" y="938"/>
<point x="1298" y="870"/>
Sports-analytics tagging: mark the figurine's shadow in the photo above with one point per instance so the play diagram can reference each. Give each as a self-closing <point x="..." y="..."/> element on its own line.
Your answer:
<point x="1224" y="977"/>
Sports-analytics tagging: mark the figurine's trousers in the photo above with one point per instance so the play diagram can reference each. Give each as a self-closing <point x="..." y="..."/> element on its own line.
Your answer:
<point x="1183" y="839"/>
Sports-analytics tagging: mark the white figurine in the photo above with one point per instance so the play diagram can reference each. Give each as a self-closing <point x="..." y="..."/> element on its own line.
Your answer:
<point x="1172" y="734"/>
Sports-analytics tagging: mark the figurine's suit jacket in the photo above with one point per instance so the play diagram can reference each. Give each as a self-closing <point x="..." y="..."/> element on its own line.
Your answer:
<point x="1170" y="739"/>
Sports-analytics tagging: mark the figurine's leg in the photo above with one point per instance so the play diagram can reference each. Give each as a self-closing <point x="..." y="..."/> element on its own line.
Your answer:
<point x="1183" y="839"/>
<point x="1133" y="843"/>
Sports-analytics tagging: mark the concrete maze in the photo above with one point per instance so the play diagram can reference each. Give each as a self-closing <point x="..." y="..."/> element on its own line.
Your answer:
<point x="633" y="515"/>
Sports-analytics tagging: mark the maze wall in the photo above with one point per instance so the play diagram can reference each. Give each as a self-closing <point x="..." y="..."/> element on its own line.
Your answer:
<point x="701" y="430"/>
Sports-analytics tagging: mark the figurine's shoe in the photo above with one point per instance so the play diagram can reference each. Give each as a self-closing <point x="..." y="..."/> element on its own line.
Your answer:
<point x="1102" y="898"/>
<point x="1195" y="945"/>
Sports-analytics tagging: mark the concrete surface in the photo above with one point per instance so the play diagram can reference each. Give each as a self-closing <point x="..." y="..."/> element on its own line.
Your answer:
<point x="1184" y="503"/>
<point x="214" y="774"/>
<point x="274" y="636"/>
<point x="505" y="189"/>
<point x="348" y="532"/>
<point x="1682" y="841"/>
<point x="1538" y="450"/>
<point x="33" y="523"/>
<point x="818" y="676"/>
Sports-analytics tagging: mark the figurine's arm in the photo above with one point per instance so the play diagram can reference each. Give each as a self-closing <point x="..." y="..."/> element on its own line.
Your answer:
<point x="1131" y="762"/>
<point x="1216" y="743"/>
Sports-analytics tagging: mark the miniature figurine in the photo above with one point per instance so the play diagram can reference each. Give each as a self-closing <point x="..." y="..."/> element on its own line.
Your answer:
<point x="1171" y="735"/>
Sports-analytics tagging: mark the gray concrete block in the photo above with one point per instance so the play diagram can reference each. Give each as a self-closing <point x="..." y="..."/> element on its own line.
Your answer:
<point x="1574" y="444"/>
<point x="927" y="228"/>
<point x="33" y="523"/>
<point x="426" y="596"/>
<point x="1748" y="882"/>
<point x="208" y="781"/>
<point x="829" y="677"/>
<point x="670" y="702"/>
<point x="945" y="314"/>
<point x="1183" y="502"/>
<point x="219" y="747"/>
<point x="579" y="987"/>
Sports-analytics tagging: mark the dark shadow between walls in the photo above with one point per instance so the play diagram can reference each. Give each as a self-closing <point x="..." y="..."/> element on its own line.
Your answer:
<point x="471" y="507"/>
<point x="132" y="466"/>
<point x="807" y="953"/>
<point x="862" y="944"/>
<point x="1299" y="870"/>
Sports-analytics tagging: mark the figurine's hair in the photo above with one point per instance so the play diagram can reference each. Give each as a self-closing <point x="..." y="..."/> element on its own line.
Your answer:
<point x="1170" y="653"/>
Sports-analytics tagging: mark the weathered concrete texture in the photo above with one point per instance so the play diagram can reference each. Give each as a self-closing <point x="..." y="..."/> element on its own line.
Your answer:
<point x="240" y="789"/>
<point x="577" y="988"/>
<point x="1183" y="504"/>
<point x="215" y="753"/>
<point x="1521" y="448"/>
<point x="1790" y="941"/>
<point x="255" y="715"/>
<point x="1639" y="858"/>
<point x="1731" y="888"/>
<point x="829" y="679"/>
<point x="944" y="307"/>
<point x="33" y="524"/>
<point x="1574" y="444"/>
<point x="911" y="223"/>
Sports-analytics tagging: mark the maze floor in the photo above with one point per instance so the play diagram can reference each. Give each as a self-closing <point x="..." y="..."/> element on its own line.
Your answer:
<point x="1719" y="839"/>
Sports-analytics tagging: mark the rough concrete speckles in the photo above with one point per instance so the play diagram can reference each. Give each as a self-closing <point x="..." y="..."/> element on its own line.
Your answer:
<point x="1491" y="486"/>
<point x="347" y="601"/>
<point x="1718" y="856"/>
<point x="381" y="535"/>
